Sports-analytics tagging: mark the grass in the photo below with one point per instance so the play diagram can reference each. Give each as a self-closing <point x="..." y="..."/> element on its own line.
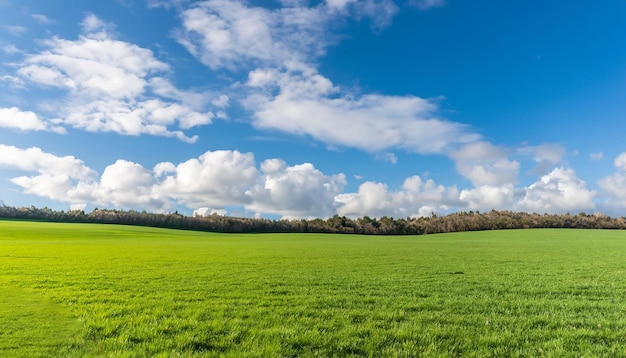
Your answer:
<point x="97" y="290"/>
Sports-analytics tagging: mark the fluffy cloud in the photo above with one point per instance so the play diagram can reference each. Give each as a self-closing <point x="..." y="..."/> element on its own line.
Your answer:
<point x="620" y="161"/>
<point x="485" y="165"/>
<point x="24" y="120"/>
<point x="34" y="159"/>
<point x="488" y="197"/>
<point x="230" y="34"/>
<point x="307" y="103"/>
<point x="296" y="191"/>
<point x="112" y="85"/>
<point x="559" y="191"/>
<point x="415" y="198"/>
<point x="55" y="175"/>
<point x="215" y="179"/>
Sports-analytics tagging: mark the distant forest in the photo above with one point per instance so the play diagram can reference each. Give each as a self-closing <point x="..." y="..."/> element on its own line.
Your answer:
<point x="455" y="222"/>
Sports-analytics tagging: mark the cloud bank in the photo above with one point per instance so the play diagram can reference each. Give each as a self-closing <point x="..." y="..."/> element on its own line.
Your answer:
<point x="224" y="179"/>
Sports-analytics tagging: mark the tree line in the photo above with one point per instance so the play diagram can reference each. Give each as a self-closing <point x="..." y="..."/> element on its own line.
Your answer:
<point x="455" y="222"/>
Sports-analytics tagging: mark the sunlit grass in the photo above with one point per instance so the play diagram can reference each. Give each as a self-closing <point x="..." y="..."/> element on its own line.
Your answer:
<point x="97" y="290"/>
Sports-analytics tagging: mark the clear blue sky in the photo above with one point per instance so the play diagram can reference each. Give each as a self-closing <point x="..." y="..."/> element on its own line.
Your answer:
<point x="313" y="108"/>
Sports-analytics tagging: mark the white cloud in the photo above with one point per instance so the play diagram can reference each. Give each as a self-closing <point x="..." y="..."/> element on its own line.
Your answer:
<point x="122" y="184"/>
<point x="34" y="159"/>
<point x="620" y="161"/>
<point x="489" y="197"/>
<point x="215" y="179"/>
<point x="55" y="176"/>
<point x="559" y="191"/>
<point x="231" y="34"/>
<point x="113" y="86"/>
<point x="92" y="24"/>
<point x="485" y="164"/>
<point x="307" y="103"/>
<point x="220" y="179"/>
<point x="415" y="198"/>
<point x="381" y="12"/>
<point x="24" y="120"/>
<point x="285" y="92"/>
<point x="339" y="5"/>
<point x="93" y="67"/>
<point x="295" y="191"/>
<point x="222" y="101"/>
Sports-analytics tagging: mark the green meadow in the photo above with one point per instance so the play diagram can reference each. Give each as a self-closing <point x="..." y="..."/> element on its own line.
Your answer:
<point x="81" y="290"/>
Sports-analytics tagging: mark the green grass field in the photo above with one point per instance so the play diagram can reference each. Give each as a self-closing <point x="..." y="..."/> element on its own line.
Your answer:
<point x="97" y="290"/>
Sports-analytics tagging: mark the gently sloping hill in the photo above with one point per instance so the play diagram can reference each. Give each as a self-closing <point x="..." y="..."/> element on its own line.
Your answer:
<point x="34" y="326"/>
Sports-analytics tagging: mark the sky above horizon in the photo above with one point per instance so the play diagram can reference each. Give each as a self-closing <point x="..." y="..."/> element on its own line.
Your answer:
<point x="301" y="109"/>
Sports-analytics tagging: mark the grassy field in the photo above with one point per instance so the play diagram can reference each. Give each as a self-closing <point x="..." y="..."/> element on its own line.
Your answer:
<point x="96" y="290"/>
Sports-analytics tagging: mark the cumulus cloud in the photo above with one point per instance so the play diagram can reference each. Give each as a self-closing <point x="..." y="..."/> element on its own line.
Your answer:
<point x="113" y="86"/>
<point x="34" y="159"/>
<point x="123" y="184"/>
<point x="295" y="191"/>
<point x="55" y="175"/>
<point x="416" y="198"/>
<point x="485" y="164"/>
<point x="215" y="180"/>
<point x="559" y="191"/>
<point x="489" y="197"/>
<point x="25" y="120"/>
<point x="620" y="161"/>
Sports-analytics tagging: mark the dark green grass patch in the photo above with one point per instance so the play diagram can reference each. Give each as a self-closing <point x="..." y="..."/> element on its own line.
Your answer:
<point x="97" y="290"/>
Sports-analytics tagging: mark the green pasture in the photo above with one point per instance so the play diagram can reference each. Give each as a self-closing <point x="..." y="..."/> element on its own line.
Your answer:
<point x="76" y="290"/>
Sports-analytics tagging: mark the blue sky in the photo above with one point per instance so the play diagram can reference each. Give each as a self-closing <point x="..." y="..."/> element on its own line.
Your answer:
<point x="291" y="109"/>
